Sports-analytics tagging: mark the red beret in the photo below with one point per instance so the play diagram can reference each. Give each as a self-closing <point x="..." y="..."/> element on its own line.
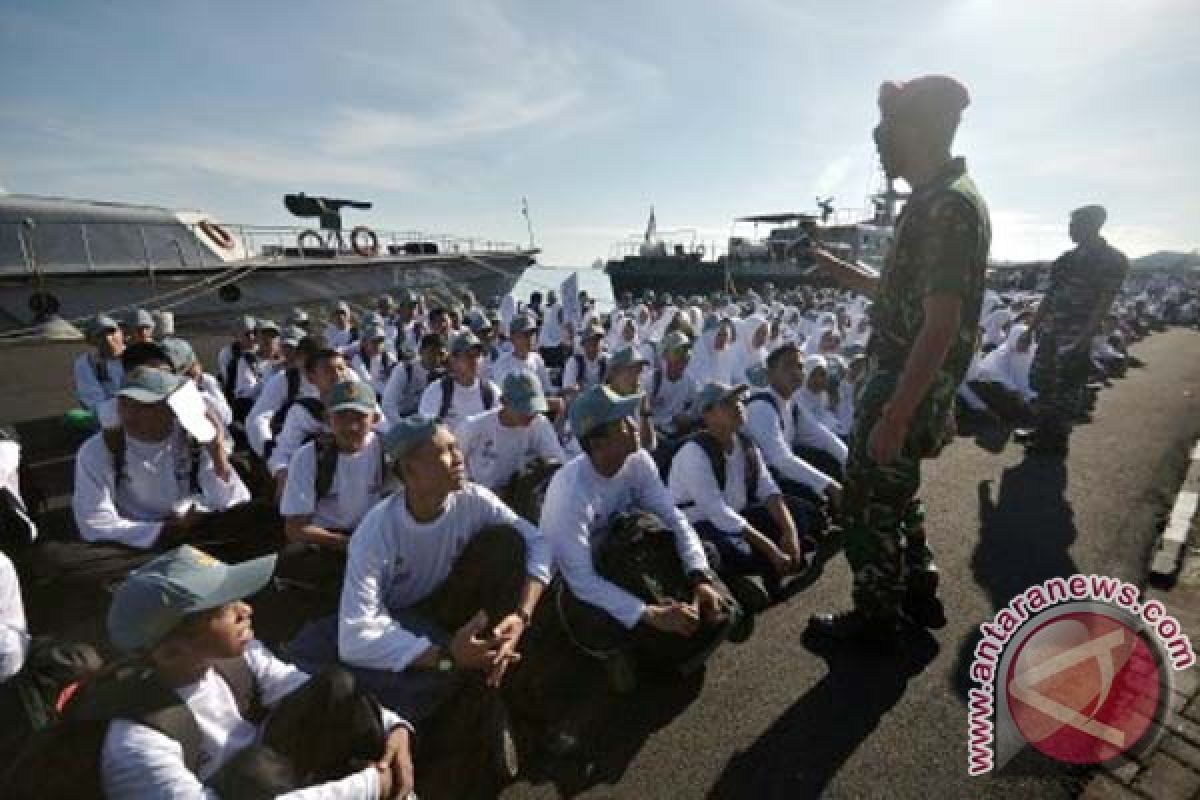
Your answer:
<point x="927" y="96"/>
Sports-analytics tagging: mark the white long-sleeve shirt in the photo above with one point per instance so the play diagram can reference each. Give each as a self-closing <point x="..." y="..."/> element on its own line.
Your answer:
<point x="580" y="502"/>
<point x="694" y="486"/>
<point x="672" y="399"/>
<point x="299" y="426"/>
<point x="511" y="362"/>
<point x="90" y="390"/>
<point x="772" y="427"/>
<point x="496" y="452"/>
<point x="214" y="398"/>
<point x="395" y="562"/>
<point x="815" y="423"/>
<point x="140" y="763"/>
<point x="156" y="485"/>
<point x="14" y="631"/>
<point x="466" y="403"/>
<point x="359" y="482"/>
<point x="401" y="395"/>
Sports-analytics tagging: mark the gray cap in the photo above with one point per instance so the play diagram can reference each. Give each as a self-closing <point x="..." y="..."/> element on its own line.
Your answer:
<point x="675" y="341"/>
<point x="291" y="336"/>
<point x="715" y="392"/>
<point x="343" y="306"/>
<point x="522" y="323"/>
<point x="249" y="324"/>
<point x="157" y="596"/>
<point x="408" y="434"/>
<point x="408" y="298"/>
<point x="595" y="329"/>
<point x="478" y="323"/>
<point x="297" y="316"/>
<point x="141" y="318"/>
<point x="352" y="395"/>
<point x="374" y="332"/>
<point x="149" y="384"/>
<point x="180" y="353"/>
<point x="522" y="391"/>
<point x="597" y="406"/>
<point x="267" y="325"/>
<point x="463" y="342"/>
<point x="626" y="356"/>
<point x="102" y="323"/>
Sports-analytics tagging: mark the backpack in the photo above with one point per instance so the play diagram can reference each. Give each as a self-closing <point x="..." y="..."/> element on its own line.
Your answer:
<point x="289" y="399"/>
<point x="114" y="442"/>
<point x="236" y="355"/>
<point x="63" y="759"/>
<point x="581" y="367"/>
<point x="485" y="392"/>
<point x="716" y="459"/>
<point x="327" y="461"/>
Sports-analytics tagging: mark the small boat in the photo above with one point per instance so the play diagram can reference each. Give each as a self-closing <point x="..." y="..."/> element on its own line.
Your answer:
<point x="74" y="258"/>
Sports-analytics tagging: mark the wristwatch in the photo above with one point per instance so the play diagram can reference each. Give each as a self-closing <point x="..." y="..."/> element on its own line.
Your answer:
<point x="446" y="663"/>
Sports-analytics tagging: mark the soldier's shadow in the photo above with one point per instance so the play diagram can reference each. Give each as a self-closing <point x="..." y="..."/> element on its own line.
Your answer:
<point x="805" y="748"/>
<point x="1026" y="531"/>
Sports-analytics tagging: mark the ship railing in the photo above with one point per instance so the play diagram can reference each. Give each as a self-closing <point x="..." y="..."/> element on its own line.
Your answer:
<point x="34" y="247"/>
<point x="663" y="248"/>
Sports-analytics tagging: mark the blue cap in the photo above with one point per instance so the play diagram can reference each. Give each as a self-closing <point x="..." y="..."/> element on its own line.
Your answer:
<point x="522" y="392"/>
<point x="102" y="323"/>
<point x="408" y="434"/>
<point x="149" y="384"/>
<point x="352" y="395"/>
<point x="141" y="318"/>
<point x="597" y="406"/>
<point x="675" y="341"/>
<point x="157" y="596"/>
<point x="267" y="325"/>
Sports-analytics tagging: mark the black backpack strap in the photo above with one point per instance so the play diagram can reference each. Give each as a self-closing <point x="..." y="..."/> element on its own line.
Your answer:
<point x="313" y="406"/>
<point x="765" y="397"/>
<point x="603" y="367"/>
<point x="388" y="363"/>
<point x="326" y="464"/>
<point x="114" y="442"/>
<point x="235" y="355"/>
<point x="195" y="452"/>
<point x="580" y="368"/>
<point x="487" y="394"/>
<point x="658" y="380"/>
<point x="99" y="367"/>
<point x="293" y="390"/>
<point x="753" y="462"/>
<point x="447" y="396"/>
<point x="236" y="672"/>
<point x="408" y="373"/>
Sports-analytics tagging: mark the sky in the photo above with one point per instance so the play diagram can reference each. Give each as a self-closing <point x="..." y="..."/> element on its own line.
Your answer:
<point x="446" y="114"/>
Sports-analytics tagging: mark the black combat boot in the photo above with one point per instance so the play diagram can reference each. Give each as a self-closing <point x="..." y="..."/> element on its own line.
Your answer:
<point x="921" y="603"/>
<point x="855" y="627"/>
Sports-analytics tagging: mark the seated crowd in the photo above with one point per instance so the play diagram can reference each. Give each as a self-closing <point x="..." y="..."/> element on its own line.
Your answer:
<point x="461" y="494"/>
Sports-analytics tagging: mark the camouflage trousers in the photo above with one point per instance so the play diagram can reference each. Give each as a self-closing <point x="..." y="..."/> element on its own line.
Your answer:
<point x="883" y="521"/>
<point x="1060" y="379"/>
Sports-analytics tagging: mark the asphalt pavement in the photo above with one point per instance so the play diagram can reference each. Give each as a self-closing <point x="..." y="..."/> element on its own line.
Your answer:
<point x="773" y="719"/>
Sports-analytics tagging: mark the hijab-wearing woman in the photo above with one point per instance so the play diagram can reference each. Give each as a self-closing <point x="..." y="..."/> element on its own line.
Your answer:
<point x="1002" y="378"/>
<point x="712" y="357"/>
<point x="751" y="347"/>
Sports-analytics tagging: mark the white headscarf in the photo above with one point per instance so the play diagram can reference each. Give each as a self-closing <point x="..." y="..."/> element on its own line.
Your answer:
<point x="1008" y="366"/>
<point x="747" y="355"/>
<point x="708" y="363"/>
<point x="993" y="326"/>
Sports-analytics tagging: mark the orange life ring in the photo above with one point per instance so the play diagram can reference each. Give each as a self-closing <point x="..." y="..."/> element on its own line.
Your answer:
<point x="356" y="244"/>
<point x="219" y="235"/>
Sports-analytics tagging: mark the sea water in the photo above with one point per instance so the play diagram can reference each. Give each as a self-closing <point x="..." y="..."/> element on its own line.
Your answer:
<point x="541" y="279"/>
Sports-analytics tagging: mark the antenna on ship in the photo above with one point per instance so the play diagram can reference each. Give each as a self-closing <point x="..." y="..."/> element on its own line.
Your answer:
<point x="528" y="220"/>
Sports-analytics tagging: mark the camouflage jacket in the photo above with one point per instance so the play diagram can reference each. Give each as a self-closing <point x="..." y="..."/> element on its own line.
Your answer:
<point x="1079" y="280"/>
<point x="941" y="246"/>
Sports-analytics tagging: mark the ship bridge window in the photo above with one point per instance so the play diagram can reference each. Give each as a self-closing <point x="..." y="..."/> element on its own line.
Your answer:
<point x="10" y="246"/>
<point x="116" y="245"/>
<point x="59" y="244"/>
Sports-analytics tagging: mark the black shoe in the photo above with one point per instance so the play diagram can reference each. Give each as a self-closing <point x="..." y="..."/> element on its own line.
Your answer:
<point x="1041" y="447"/>
<point x="924" y="610"/>
<point x="1023" y="435"/>
<point x="750" y="595"/>
<point x="741" y="628"/>
<point x="854" y="627"/>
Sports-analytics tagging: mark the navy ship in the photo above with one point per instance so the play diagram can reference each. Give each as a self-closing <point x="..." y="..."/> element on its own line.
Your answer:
<point x="762" y="249"/>
<point x="70" y="259"/>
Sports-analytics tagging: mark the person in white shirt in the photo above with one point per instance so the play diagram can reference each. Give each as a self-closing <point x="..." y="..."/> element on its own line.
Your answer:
<point x="184" y="618"/>
<point x="374" y="362"/>
<point x="586" y="368"/>
<point x="461" y="394"/>
<point x="626" y="369"/>
<point x="557" y="333"/>
<point x="410" y="378"/>
<point x="1001" y="378"/>
<point x="608" y="609"/>
<point x="98" y="374"/>
<point x="340" y="332"/>
<point x="17" y="527"/>
<point x="163" y="477"/>
<point x="721" y="482"/>
<point x="816" y="439"/>
<point x="772" y="422"/>
<point x="442" y="581"/>
<point x="238" y="368"/>
<point x="185" y="363"/>
<point x="324" y="368"/>
<point x="14" y="631"/>
<point x="334" y="480"/>
<point x="525" y="358"/>
<point x="672" y="390"/>
<point x="280" y="392"/>
<point x="500" y="443"/>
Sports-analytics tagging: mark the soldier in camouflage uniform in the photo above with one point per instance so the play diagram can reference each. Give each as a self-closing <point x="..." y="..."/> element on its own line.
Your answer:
<point x="1083" y="283"/>
<point x="925" y="322"/>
